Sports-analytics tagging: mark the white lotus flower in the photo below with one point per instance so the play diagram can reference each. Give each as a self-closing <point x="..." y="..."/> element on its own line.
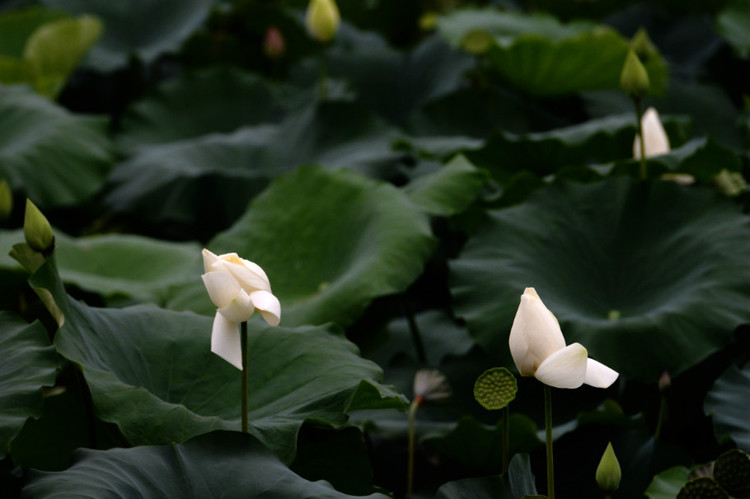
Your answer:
<point x="655" y="138"/>
<point x="430" y="385"/>
<point x="538" y="349"/>
<point x="237" y="287"/>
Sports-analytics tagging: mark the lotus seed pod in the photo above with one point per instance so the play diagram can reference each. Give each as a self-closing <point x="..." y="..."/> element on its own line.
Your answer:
<point x="732" y="473"/>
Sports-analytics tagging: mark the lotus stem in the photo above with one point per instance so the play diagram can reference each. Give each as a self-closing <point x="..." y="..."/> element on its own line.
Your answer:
<point x="639" y="111"/>
<point x="416" y="336"/>
<point x="548" y="432"/>
<point x="506" y="436"/>
<point x="243" y="345"/>
<point x="660" y="416"/>
<point x="412" y="440"/>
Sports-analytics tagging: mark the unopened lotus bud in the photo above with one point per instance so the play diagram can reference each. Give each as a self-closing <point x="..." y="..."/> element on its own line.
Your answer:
<point x="608" y="473"/>
<point x="642" y="45"/>
<point x="634" y="78"/>
<point x="6" y="199"/>
<point x="37" y="230"/>
<point x="274" y="45"/>
<point x="322" y="19"/>
<point x="664" y="382"/>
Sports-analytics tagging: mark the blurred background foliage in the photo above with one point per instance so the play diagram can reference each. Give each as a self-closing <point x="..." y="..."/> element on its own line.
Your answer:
<point x="461" y="152"/>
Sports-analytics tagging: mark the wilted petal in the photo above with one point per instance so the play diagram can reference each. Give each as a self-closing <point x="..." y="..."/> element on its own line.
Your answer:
<point x="431" y="385"/>
<point x="565" y="368"/>
<point x="655" y="138"/>
<point x="535" y="334"/>
<point x="598" y="375"/>
<point x="240" y="309"/>
<point x="268" y="306"/>
<point x="225" y="340"/>
<point x="222" y="287"/>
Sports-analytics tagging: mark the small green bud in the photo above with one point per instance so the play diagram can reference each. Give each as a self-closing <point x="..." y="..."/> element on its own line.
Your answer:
<point x="608" y="472"/>
<point x="322" y="19"/>
<point x="730" y="183"/>
<point x="664" y="382"/>
<point x="6" y="199"/>
<point x="37" y="230"/>
<point x="634" y="78"/>
<point x="642" y="46"/>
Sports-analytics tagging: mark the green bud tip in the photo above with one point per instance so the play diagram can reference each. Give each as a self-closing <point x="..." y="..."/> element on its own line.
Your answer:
<point x="642" y="46"/>
<point x="6" y="199"/>
<point x="37" y="230"/>
<point x="608" y="473"/>
<point x="634" y="78"/>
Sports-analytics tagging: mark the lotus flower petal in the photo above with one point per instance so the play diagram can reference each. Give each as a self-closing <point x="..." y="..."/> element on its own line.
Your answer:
<point x="225" y="340"/>
<point x="240" y="309"/>
<point x="655" y="138"/>
<point x="268" y="306"/>
<point x="598" y="375"/>
<point x="222" y="287"/>
<point x="565" y="368"/>
<point x="535" y="334"/>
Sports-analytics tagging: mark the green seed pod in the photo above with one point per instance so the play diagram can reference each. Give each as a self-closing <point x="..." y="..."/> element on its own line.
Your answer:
<point x="732" y="472"/>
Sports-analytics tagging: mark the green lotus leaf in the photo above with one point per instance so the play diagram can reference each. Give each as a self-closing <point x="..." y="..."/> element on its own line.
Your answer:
<point x="394" y="83"/>
<point x="210" y="179"/>
<point x="30" y="128"/>
<point x="625" y="267"/>
<point x="518" y="482"/>
<point x="732" y="23"/>
<point x="151" y="372"/>
<point x="116" y="265"/>
<point x="325" y="263"/>
<point x="218" y="100"/>
<point x="725" y="402"/>
<point x="542" y="56"/>
<point x="221" y="464"/>
<point x="147" y="28"/>
<point x="667" y="484"/>
<point x="448" y="190"/>
<point x="29" y="363"/>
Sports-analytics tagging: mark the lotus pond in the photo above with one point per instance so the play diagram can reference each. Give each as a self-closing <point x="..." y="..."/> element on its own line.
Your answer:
<point x="497" y="249"/>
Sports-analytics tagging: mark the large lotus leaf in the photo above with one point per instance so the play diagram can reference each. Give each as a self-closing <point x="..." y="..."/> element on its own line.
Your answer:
<point x="395" y="84"/>
<point x="667" y="484"/>
<point x="116" y="265"/>
<point x="732" y="23"/>
<point x="151" y="372"/>
<point x="542" y="56"/>
<point x="648" y="276"/>
<point x="52" y="156"/>
<point x="54" y="50"/>
<point x="726" y="402"/>
<point x="18" y="25"/>
<point x="222" y="464"/>
<point x="29" y="362"/>
<point x="219" y="100"/>
<point x="212" y="178"/>
<point x="330" y="241"/>
<point x="147" y="28"/>
<point x="448" y="190"/>
<point x="517" y="483"/>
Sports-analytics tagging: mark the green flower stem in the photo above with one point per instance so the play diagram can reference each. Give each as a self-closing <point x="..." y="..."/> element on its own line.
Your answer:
<point x="416" y="336"/>
<point x="660" y="417"/>
<point x="639" y="112"/>
<point x="506" y="437"/>
<point x="412" y="439"/>
<point x="323" y="76"/>
<point x="243" y="345"/>
<point x="548" y="431"/>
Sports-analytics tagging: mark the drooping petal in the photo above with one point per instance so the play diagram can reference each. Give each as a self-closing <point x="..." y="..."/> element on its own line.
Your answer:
<point x="565" y="368"/>
<point x="222" y="287"/>
<point x="598" y="375"/>
<point x="535" y="334"/>
<point x="655" y="138"/>
<point x="268" y="306"/>
<point x="240" y="309"/>
<point x="209" y="259"/>
<point x="225" y="340"/>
